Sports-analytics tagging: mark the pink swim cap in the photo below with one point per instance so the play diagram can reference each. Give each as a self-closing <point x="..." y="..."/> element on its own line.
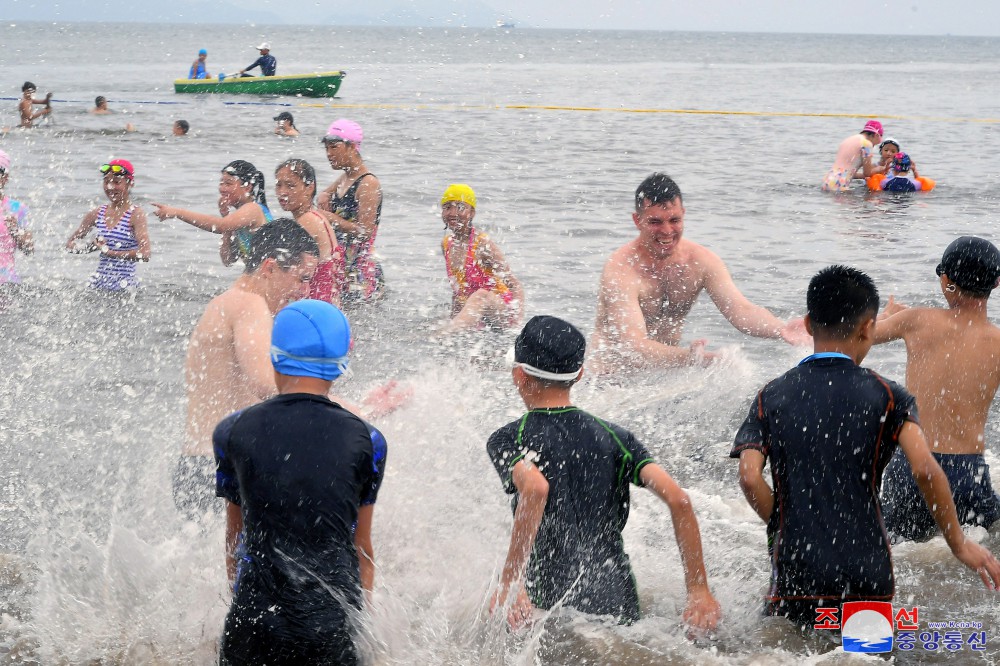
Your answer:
<point x="116" y="166"/>
<point x="345" y="130"/>
<point x="873" y="126"/>
<point x="4" y="162"/>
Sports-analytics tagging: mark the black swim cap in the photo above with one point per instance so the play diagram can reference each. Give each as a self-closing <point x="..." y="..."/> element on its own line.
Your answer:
<point x="551" y="345"/>
<point x="28" y="85"/>
<point x="971" y="263"/>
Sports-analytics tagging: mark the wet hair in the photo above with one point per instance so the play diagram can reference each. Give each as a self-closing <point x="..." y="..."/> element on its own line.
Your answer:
<point x="658" y="188"/>
<point x="184" y="125"/>
<point x="282" y="240"/>
<point x="249" y="175"/>
<point x="838" y="299"/>
<point x="302" y="169"/>
<point x="28" y="85"/>
<point x="99" y="99"/>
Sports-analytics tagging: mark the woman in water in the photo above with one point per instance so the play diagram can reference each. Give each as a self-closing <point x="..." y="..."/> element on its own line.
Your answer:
<point x="242" y="210"/>
<point x="353" y="205"/>
<point x="484" y="291"/>
<point x="122" y="238"/>
<point x="295" y="185"/>
<point x="14" y="234"/>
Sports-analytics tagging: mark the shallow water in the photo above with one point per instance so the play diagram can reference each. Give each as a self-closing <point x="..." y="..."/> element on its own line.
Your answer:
<point x="95" y="563"/>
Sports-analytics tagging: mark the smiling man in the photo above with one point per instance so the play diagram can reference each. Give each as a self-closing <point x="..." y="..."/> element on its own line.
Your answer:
<point x="649" y="285"/>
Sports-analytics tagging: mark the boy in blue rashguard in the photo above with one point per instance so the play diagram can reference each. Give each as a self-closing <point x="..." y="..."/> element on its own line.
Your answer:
<point x="300" y="475"/>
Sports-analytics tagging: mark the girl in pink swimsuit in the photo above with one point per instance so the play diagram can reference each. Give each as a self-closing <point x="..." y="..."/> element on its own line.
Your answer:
<point x="295" y="185"/>
<point x="14" y="234"/>
<point x="484" y="291"/>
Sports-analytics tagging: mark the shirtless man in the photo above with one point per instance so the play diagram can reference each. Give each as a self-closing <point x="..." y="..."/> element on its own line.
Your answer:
<point x="854" y="158"/>
<point x="100" y="106"/>
<point x="649" y="285"/>
<point x="228" y="363"/>
<point x="953" y="369"/>
<point x="27" y="99"/>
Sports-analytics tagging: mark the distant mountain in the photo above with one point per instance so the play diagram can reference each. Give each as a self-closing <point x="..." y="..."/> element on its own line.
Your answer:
<point x="416" y="13"/>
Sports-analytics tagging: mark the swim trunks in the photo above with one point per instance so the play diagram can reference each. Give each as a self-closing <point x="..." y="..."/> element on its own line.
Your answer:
<point x="578" y="558"/>
<point x="300" y="467"/>
<point x="364" y="281"/>
<point x="116" y="274"/>
<point x="906" y="513"/>
<point x="828" y="429"/>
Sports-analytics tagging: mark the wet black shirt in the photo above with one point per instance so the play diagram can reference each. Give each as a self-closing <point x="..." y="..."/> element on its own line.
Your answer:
<point x="300" y="466"/>
<point x="588" y="464"/>
<point x="828" y="428"/>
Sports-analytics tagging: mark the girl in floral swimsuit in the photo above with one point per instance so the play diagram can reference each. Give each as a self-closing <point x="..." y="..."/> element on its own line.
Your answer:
<point x="484" y="291"/>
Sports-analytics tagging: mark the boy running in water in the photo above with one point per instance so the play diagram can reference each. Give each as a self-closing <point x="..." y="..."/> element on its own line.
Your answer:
<point x="829" y="428"/>
<point x="300" y="475"/>
<point x="569" y="474"/>
<point x="953" y="369"/>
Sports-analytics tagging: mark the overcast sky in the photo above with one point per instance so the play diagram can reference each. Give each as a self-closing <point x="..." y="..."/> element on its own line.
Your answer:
<point x="906" y="17"/>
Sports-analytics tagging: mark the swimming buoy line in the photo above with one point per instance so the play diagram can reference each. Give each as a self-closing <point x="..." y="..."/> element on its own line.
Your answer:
<point x="552" y="107"/>
<point x="605" y="109"/>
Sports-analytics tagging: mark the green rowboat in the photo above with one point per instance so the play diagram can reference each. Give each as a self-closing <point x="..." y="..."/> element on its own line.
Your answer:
<point x="318" y="84"/>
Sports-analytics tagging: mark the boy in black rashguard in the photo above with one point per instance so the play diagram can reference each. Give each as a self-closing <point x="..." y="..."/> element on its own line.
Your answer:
<point x="301" y="475"/>
<point x="829" y="427"/>
<point x="569" y="474"/>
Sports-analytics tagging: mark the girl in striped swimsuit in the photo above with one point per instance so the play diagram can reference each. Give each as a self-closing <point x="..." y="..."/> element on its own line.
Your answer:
<point x="122" y="237"/>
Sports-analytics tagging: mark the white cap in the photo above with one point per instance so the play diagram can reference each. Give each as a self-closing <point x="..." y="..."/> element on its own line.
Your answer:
<point x="264" y="46"/>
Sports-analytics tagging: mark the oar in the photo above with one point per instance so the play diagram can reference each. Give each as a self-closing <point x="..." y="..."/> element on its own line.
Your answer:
<point x="223" y="77"/>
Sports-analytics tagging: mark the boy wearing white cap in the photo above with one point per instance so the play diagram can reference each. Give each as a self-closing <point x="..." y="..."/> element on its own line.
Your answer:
<point x="300" y="475"/>
<point x="569" y="472"/>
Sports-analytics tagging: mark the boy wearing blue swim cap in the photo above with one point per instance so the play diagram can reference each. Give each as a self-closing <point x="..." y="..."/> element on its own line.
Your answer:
<point x="300" y="475"/>
<point x="954" y="370"/>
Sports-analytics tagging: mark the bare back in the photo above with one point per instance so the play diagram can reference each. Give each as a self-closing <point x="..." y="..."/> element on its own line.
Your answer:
<point x="953" y="369"/>
<point x="227" y="366"/>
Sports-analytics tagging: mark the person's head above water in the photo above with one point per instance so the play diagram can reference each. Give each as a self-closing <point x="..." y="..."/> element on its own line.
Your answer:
<point x="100" y="101"/>
<point x="310" y="338"/>
<point x="122" y="168"/>
<point x="285" y="116"/>
<point x="202" y="53"/>
<point x="459" y="192"/>
<point x="283" y="240"/>
<point x="28" y="87"/>
<point x="551" y="350"/>
<point x="250" y="176"/>
<point x="181" y="127"/>
<point x="901" y="163"/>
<point x="873" y="129"/>
<point x="839" y="299"/>
<point x="972" y="264"/>
<point x="657" y="189"/>
<point x="344" y="131"/>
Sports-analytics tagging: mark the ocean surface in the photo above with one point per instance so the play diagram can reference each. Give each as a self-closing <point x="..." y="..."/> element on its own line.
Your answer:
<point x="97" y="565"/>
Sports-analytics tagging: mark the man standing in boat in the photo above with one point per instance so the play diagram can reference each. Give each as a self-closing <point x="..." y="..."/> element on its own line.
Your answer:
<point x="266" y="61"/>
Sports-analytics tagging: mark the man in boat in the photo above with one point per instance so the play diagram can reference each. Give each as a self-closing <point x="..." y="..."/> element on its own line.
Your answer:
<point x="198" y="67"/>
<point x="649" y="285"/>
<point x="266" y="61"/>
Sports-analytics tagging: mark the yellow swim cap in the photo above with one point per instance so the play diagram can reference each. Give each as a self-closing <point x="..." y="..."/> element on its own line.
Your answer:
<point x="459" y="192"/>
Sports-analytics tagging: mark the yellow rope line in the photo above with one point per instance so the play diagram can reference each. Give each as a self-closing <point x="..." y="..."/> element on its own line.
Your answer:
<point x="600" y="109"/>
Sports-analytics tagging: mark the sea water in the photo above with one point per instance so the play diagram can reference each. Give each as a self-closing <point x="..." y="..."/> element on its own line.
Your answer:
<point x="96" y="564"/>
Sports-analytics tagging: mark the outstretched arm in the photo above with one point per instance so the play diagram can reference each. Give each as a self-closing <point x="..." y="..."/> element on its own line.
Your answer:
<point x="702" y="611"/>
<point x="245" y="217"/>
<point x="934" y="487"/>
<point x="745" y="316"/>
<point x="893" y="323"/>
<point x="533" y="492"/>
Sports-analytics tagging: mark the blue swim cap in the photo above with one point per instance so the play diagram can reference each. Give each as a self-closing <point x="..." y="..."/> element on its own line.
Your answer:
<point x="203" y="52"/>
<point x="310" y="339"/>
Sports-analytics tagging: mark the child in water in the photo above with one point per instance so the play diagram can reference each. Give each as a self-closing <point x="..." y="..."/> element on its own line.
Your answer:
<point x="122" y="237"/>
<point x="242" y="210"/>
<point x="14" y="234"/>
<point x="295" y="185"/>
<point x="886" y="151"/>
<point x="484" y="290"/>
<point x="896" y="178"/>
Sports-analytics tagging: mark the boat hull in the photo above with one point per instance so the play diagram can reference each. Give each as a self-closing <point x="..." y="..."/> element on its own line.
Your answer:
<point x="319" y="84"/>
